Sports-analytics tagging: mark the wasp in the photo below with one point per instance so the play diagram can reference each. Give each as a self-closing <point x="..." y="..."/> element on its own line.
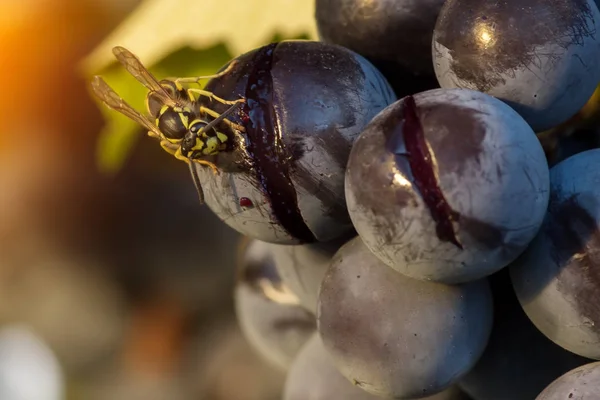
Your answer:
<point x="185" y="128"/>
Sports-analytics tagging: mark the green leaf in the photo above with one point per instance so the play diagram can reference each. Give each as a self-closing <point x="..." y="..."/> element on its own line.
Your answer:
<point x="158" y="27"/>
<point x="190" y="62"/>
<point x="115" y="142"/>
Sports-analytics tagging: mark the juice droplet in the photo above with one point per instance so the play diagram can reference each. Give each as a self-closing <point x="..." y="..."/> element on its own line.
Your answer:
<point x="246" y="202"/>
<point x="245" y="117"/>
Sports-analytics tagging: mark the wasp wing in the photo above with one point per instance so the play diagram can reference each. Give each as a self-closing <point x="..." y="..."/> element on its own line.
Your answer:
<point x="134" y="66"/>
<point x="112" y="100"/>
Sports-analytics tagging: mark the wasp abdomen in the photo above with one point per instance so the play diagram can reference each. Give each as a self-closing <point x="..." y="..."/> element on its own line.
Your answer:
<point x="173" y="124"/>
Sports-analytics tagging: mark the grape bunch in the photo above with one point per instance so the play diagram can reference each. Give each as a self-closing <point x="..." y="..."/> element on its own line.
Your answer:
<point x="410" y="231"/>
<point x="471" y="270"/>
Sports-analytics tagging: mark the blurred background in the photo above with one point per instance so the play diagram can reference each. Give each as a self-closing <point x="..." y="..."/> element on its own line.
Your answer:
<point x="114" y="283"/>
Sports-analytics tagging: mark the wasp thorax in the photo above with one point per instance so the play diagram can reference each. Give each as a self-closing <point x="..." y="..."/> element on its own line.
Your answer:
<point x="155" y="102"/>
<point x="172" y="88"/>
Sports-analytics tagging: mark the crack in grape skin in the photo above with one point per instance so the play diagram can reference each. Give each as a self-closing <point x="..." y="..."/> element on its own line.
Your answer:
<point x="268" y="154"/>
<point x="422" y="167"/>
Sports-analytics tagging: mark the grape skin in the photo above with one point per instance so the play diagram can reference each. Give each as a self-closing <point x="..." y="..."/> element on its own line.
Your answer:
<point x="302" y="268"/>
<point x="517" y="353"/>
<point x="395" y="336"/>
<point x="582" y="383"/>
<point x="557" y="279"/>
<point x="489" y="167"/>
<point x="313" y="376"/>
<point x="270" y="319"/>
<point x="540" y="57"/>
<point x="385" y="31"/>
<point x="291" y="160"/>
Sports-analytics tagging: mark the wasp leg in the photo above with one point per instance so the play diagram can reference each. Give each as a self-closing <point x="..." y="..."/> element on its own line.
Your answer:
<point x="212" y="166"/>
<point x="195" y="177"/>
<point x="215" y="114"/>
<point x="193" y="172"/>
<point x="170" y="148"/>
<point x="212" y="96"/>
<point x="196" y="79"/>
<point x="197" y="183"/>
<point x="176" y="151"/>
<point x="154" y="135"/>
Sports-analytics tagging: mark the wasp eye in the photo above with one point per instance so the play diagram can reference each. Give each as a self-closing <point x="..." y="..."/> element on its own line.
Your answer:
<point x="196" y="126"/>
<point x="173" y="124"/>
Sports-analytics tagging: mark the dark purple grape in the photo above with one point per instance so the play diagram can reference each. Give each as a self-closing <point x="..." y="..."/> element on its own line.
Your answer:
<point x="557" y="279"/>
<point x="268" y="312"/>
<point x="393" y="34"/>
<point x="313" y="376"/>
<point x="398" y="337"/>
<point x="519" y="361"/>
<point x="302" y="268"/>
<point x="541" y="57"/>
<point x="450" y="185"/>
<point x="582" y="383"/>
<point x="282" y="181"/>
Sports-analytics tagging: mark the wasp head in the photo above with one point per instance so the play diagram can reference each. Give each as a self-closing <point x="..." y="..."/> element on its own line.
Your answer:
<point x="202" y="141"/>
